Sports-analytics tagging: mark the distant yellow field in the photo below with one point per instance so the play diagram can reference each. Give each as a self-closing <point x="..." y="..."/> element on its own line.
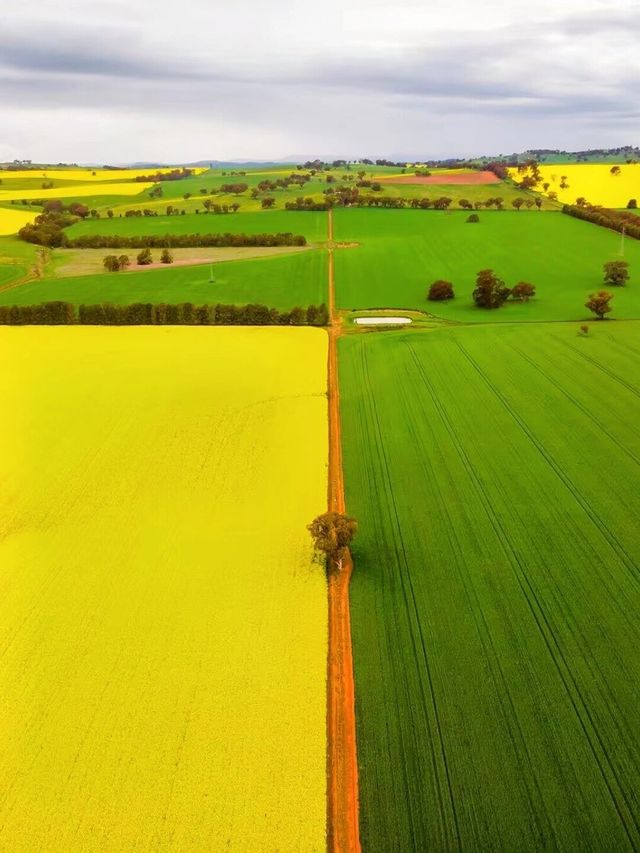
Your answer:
<point x="129" y="189"/>
<point x="11" y="221"/>
<point x="593" y="182"/>
<point x="95" y="175"/>
<point x="163" y="630"/>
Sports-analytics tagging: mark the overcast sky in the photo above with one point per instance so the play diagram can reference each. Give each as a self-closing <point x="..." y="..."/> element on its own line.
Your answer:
<point x="109" y="81"/>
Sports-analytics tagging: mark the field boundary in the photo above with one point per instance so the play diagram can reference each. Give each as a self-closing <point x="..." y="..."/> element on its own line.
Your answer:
<point x="343" y="830"/>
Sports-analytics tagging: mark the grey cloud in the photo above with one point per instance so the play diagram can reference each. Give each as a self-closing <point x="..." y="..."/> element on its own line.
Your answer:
<point x="553" y="72"/>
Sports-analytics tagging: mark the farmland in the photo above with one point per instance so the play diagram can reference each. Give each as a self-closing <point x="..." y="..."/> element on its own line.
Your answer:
<point x="495" y="474"/>
<point x="401" y="252"/>
<point x="279" y="281"/>
<point x="81" y="175"/>
<point x="164" y="629"/>
<point x="75" y="190"/>
<point x="594" y="182"/>
<point x="171" y="681"/>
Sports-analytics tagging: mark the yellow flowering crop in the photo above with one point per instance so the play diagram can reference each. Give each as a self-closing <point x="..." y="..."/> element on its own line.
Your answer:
<point x="593" y="182"/>
<point x="96" y="175"/>
<point x="163" y="627"/>
<point x="11" y="221"/>
<point x="74" y="190"/>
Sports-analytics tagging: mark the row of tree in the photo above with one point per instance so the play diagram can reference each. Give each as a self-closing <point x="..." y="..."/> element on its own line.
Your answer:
<point x="617" y="220"/>
<point x="48" y="230"/>
<point x="354" y="199"/>
<point x="183" y="241"/>
<point x="163" y="314"/>
<point x="173" y="175"/>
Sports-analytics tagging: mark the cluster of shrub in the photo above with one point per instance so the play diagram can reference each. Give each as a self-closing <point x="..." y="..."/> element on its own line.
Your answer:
<point x="115" y="263"/>
<point x="147" y="314"/>
<point x="173" y="175"/>
<point x="281" y="183"/>
<point x="617" y="220"/>
<point x="490" y="291"/>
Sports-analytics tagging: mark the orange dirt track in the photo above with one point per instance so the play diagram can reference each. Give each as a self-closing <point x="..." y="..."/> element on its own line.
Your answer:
<point x="343" y="832"/>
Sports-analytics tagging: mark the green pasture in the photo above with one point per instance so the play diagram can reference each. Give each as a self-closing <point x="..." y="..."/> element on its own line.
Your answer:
<point x="495" y="475"/>
<point x="401" y="252"/>
<point x="312" y="225"/>
<point x="10" y="272"/>
<point x="280" y="282"/>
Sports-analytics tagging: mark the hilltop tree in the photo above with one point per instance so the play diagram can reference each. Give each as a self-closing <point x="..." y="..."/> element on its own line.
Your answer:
<point x="599" y="303"/>
<point x="616" y="273"/>
<point x="632" y="204"/>
<point x="440" y="290"/>
<point x="490" y="291"/>
<point x="332" y="533"/>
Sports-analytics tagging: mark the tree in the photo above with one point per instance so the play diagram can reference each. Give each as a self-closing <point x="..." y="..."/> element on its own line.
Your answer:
<point x="615" y="171"/>
<point x="144" y="258"/>
<point x="523" y="291"/>
<point x="124" y="261"/>
<point x="632" y="204"/>
<point x="517" y="203"/>
<point x="599" y="303"/>
<point x="490" y="291"/>
<point x="332" y="533"/>
<point x="473" y="217"/>
<point x="616" y="273"/>
<point x="440" y="290"/>
<point x="268" y="202"/>
<point x="166" y="257"/>
<point x="111" y="263"/>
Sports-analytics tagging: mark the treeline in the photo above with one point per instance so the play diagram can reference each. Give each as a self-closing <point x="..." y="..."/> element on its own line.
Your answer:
<point x="400" y="203"/>
<point x="163" y="314"/>
<point x="173" y="175"/>
<point x="48" y="230"/>
<point x="617" y="220"/>
<point x="182" y="241"/>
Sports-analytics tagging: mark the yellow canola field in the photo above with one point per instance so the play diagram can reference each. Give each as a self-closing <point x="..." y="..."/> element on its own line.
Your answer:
<point x="591" y="181"/>
<point x="11" y="221"/>
<point x="95" y="175"/>
<point x="163" y="632"/>
<point x="75" y="190"/>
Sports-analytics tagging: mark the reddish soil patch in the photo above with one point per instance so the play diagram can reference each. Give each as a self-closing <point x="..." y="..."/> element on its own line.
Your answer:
<point x="458" y="178"/>
<point x="342" y="807"/>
